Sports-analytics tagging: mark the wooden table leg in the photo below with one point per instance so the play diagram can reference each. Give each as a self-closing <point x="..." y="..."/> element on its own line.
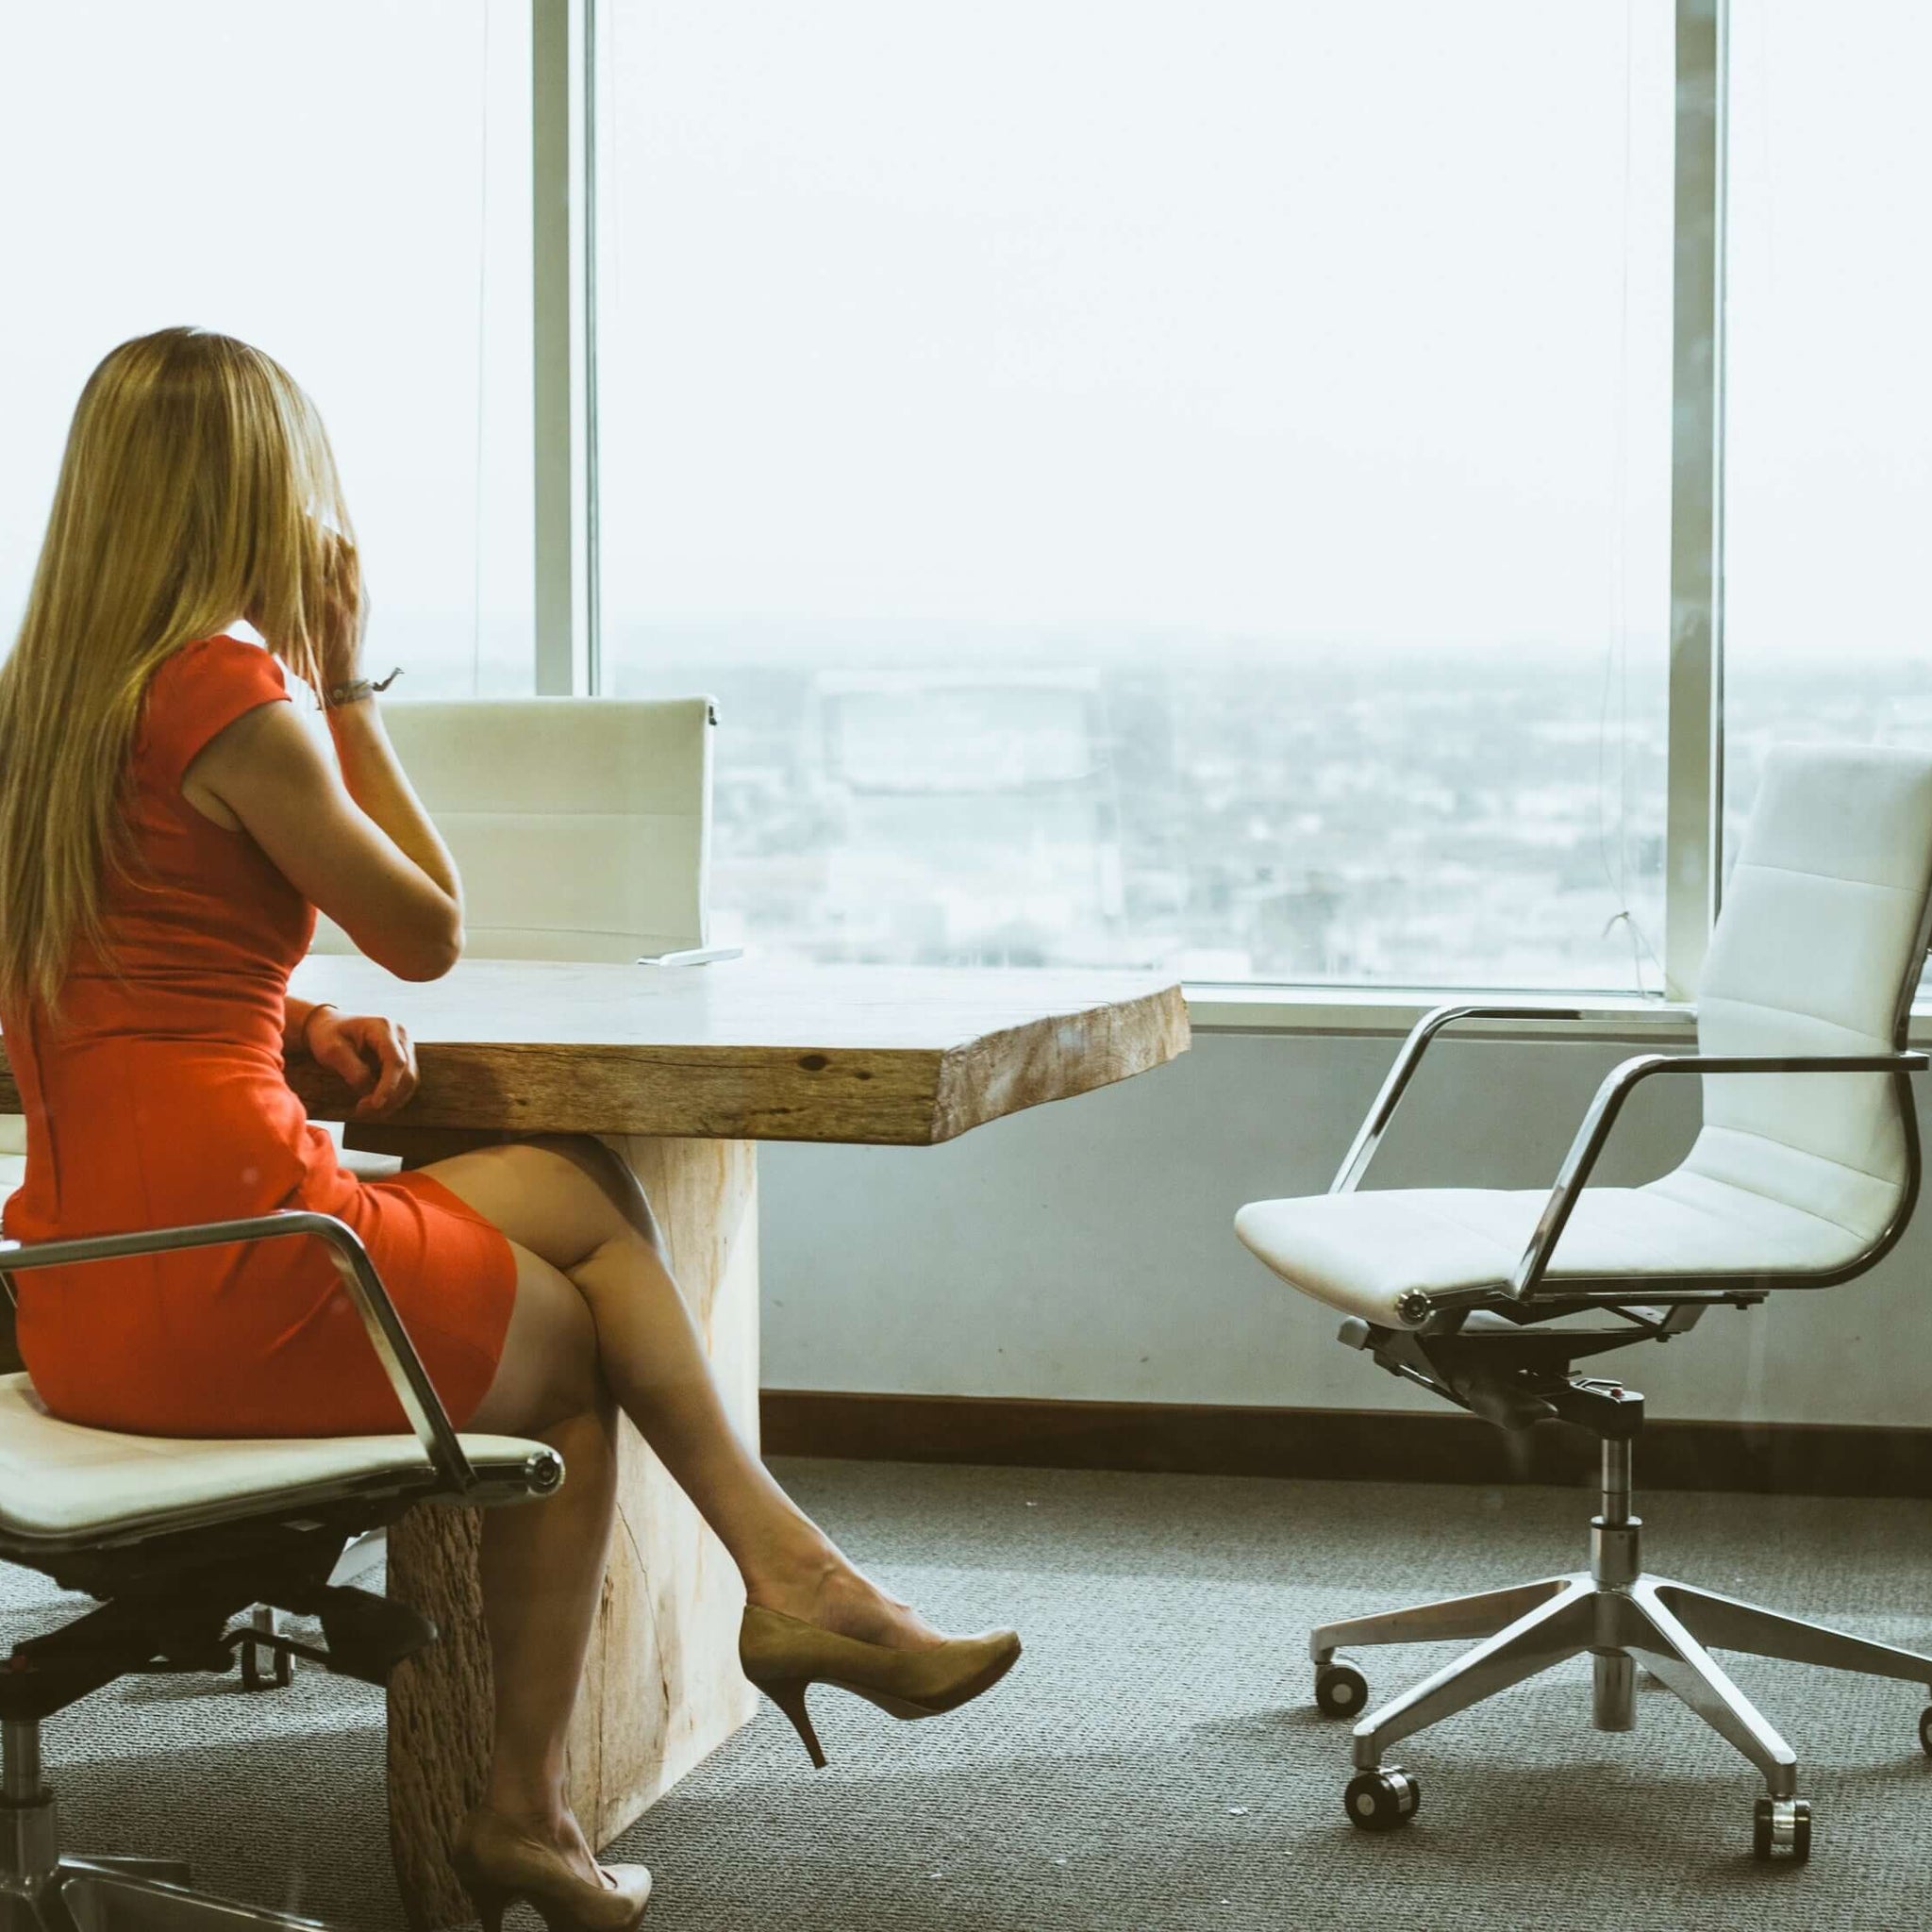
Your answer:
<point x="661" y="1688"/>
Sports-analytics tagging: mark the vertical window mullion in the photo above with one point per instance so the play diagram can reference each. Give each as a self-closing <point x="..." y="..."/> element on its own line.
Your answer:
<point x="1695" y="778"/>
<point x="564" y="492"/>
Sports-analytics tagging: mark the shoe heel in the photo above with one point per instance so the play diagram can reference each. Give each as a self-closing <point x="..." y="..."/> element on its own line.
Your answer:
<point x="492" y="1901"/>
<point x="490" y="1904"/>
<point x="790" y="1698"/>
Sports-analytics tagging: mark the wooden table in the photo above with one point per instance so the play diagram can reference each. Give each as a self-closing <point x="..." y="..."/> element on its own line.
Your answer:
<point x="680" y="1071"/>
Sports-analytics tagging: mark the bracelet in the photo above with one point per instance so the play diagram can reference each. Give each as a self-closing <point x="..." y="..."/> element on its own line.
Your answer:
<point x="309" y="1019"/>
<point x="354" y="690"/>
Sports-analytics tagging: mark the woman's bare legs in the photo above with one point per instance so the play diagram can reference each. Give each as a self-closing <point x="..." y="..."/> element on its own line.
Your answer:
<point x="599" y="1319"/>
<point x="543" y="1563"/>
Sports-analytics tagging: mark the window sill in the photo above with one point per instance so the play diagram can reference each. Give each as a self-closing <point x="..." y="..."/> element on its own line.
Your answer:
<point x="1392" y="1012"/>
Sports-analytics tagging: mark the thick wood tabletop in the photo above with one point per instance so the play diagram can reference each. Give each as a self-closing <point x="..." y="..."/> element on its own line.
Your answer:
<point x="743" y="1051"/>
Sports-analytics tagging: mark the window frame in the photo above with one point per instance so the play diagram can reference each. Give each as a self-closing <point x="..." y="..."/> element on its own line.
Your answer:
<point x="566" y="79"/>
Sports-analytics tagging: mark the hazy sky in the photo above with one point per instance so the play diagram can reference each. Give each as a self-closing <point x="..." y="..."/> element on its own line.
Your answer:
<point x="1313" y="320"/>
<point x="1269" y="316"/>
<point x="313" y="179"/>
<point x="1830" y="381"/>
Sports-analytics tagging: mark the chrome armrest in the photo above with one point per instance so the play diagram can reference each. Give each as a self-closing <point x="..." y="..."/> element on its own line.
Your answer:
<point x="1355" y="1163"/>
<point x="384" y="1326"/>
<point x="1617" y="1088"/>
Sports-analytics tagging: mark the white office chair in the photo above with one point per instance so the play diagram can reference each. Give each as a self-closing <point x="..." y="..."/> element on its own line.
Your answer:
<point x="1803" y="1176"/>
<point x="581" y="826"/>
<point x="177" y="1540"/>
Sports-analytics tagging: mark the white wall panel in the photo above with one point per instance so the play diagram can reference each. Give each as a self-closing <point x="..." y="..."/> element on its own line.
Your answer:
<point x="1084" y="1251"/>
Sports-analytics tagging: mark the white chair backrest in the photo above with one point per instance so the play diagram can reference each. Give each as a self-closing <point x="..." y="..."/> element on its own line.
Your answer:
<point x="1818" y="950"/>
<point x="581" y="826"/>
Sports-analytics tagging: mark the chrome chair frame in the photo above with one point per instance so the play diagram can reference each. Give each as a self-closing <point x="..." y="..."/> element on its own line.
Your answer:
<point x="1614" y="1610"/>
<point x="224" y="1551"/>
<point x="1530" y="1283"/>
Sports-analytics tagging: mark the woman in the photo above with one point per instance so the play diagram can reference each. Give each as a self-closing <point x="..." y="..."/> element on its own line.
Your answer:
<point x="167" y="828"/>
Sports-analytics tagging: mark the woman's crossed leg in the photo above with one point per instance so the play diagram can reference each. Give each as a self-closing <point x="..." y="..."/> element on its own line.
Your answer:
<point x="598" y="1326"/>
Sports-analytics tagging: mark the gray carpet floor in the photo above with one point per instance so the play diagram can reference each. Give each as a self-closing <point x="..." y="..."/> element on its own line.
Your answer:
<point x="1154" y="1761"/>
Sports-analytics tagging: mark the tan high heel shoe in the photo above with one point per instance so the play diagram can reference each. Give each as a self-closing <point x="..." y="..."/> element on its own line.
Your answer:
<point x="784" y="1657"/>
<point x="499" y="1864"/>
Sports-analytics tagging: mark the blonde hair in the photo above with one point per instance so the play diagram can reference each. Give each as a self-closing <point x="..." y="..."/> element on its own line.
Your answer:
<point x="197" y="486"/>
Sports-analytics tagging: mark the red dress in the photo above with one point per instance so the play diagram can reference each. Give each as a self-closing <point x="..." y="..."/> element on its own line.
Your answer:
<point x="158" y="1097"/>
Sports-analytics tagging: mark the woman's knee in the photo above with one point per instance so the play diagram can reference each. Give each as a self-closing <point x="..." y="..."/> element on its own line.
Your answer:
<point x="548" y="1371"/>
<point x="563" y="1196"/>
<point x="618" y="1185"/>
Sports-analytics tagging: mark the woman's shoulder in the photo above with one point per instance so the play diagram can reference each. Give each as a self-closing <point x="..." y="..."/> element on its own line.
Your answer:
<point x="198" y="691"/>
<point x="218" y="660"/>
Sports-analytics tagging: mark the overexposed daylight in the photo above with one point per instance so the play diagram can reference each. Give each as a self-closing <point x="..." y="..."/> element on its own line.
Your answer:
<point x="784" y="789"/>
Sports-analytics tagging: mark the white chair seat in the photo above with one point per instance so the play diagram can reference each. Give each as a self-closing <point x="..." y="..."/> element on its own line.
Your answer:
<point x="1361" y="1253"/>
<point x="60" y="1481"/>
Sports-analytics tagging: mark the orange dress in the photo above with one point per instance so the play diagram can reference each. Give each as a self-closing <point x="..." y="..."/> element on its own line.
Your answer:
<point x="158" y="1097"/>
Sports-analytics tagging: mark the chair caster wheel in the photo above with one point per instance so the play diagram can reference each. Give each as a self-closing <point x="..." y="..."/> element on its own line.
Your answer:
<point x="1925" y="1730"/>
<point x="1781" y="1828"/>
<point x="281" y="1664"/>
<point x="279" y="1675"/>
<point x="1381" y="1800"/>
<point x="1341" y="1690"/>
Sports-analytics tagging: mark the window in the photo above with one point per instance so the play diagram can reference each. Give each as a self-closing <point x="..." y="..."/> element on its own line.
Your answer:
<point x="1155" y="486"/>
<point x="1828" y="472"/>
<point x="1171" y="487"/>
<point x="351" y="193"/>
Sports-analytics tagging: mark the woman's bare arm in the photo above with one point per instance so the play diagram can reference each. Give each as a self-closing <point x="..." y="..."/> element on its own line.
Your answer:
<point x="379" y="784"/>
<point x="295" y="1014"/>
<point x="356" y="842"/>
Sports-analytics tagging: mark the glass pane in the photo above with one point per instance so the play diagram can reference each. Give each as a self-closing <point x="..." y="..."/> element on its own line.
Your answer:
<point x="1156" y="485"/>
<point x="1828" y="476"/>
<point x="350" y="190"/>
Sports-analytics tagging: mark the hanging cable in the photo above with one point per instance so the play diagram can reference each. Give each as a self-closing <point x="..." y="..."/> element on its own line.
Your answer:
<point x="1616" y="645"/>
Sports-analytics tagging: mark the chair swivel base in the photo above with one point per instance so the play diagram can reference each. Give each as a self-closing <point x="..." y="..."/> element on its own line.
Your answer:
<point x="42" y="1892"/>
<point x="1623" y="1618"/>
<point x="137" y="1894"/>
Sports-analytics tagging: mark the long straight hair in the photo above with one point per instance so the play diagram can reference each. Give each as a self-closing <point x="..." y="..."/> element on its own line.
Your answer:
<point x="197" y="486"/>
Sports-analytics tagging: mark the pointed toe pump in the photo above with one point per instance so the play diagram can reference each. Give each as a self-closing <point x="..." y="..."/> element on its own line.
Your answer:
<point x="499" y="1864"/>
<point x="784" y="1657"/>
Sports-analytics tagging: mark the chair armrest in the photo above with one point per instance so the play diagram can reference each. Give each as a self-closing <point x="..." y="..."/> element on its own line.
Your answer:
<point x="1355" y="1163"/>
<point x="1620" y="1084"/>
<point x="383" y="1326"/>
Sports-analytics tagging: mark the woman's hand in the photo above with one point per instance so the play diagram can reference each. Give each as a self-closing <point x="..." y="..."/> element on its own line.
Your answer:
<point x="373" y="1055"/>
<point x="344" y="613"/>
